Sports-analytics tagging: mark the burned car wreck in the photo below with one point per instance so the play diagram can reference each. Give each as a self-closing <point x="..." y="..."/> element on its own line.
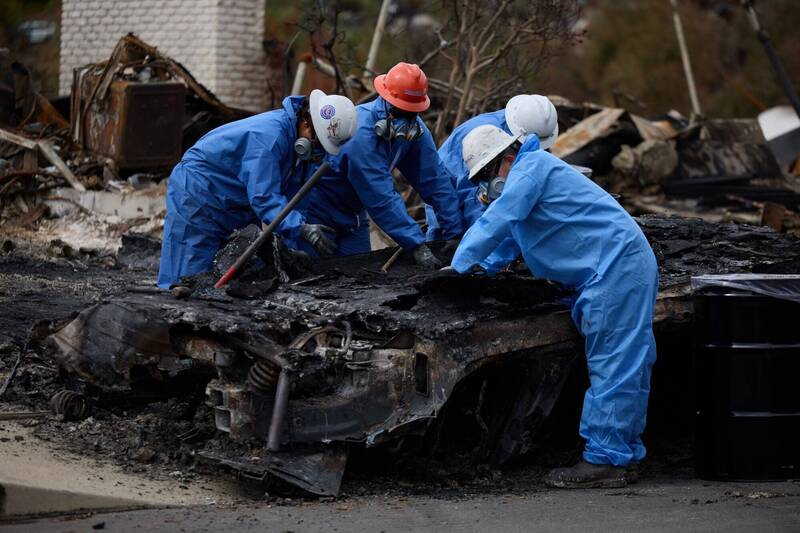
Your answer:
<point x="301" y="361"/>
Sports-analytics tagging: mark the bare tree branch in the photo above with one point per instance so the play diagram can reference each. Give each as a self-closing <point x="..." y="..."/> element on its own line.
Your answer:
<point x="496" y="48"/>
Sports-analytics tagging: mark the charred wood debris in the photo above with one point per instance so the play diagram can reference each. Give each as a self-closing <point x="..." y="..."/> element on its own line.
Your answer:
<point x="282" y="373"/>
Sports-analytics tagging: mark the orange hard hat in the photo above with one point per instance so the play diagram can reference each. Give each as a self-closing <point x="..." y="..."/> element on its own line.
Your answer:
<point x="405" y="86"/>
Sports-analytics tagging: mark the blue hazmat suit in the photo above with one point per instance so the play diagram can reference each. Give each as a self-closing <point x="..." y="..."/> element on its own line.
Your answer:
<point x="571" y="231"/>
<point x="238" y="174"/>
<point x="361" y="182"/>
<point x="451" y="154"/>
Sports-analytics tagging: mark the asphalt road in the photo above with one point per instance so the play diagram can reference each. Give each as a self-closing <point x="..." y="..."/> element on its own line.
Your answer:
<point x="660" y="505"/>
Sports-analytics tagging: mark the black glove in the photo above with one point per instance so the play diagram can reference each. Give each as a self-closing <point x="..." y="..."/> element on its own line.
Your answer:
<point x="316" y="236"/>
<point x="451" y="246"/>
<point x="425" y="258"/>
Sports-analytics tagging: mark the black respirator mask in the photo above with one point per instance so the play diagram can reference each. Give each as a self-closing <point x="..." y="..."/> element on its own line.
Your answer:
<point x="400" y="125"/>
<point x="308" y="150"/>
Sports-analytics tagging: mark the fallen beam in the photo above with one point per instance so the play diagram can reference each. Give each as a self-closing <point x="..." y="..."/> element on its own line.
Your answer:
<point x="47" y="151"/>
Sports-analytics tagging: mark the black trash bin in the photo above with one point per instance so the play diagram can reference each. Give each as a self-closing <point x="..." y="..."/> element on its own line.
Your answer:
<point x="746" y="374"/>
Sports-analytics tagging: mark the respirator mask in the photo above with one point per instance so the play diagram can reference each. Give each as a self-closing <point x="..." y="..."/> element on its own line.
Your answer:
<point x="308" y="150"/>
<point x="490" y="185"/>
<point x="490" y="189"/>
<point x="399" y="125"/>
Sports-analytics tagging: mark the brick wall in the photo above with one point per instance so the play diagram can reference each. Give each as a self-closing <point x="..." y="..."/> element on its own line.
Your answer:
<point x="219" y="41"/>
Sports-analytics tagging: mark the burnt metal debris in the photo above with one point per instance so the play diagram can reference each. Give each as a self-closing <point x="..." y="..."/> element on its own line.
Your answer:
<point x="713" y="168"/>
<point x="129" y="120"/>
<point x="138" y="125"/>
<point x="347" y="355"/>
<point x="69" y="404"/>
<point x="298" y="361"/>
<point x="172" y="109"/>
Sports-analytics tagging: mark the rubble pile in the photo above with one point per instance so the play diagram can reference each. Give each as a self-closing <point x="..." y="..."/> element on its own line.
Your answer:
<point x="295" y="363"/>
<point x="372" y="357"/>
<point x="100" y="168"/>
<point x="720" y="170"/>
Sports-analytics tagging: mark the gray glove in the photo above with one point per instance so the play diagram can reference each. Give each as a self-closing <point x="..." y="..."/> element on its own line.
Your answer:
<point x="425" y="258"/>
<point x="446" y="272"/>
<point x="315" y="235"/>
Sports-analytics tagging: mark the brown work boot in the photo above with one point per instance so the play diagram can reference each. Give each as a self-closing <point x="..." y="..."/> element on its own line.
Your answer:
<point x="589" y="476"/>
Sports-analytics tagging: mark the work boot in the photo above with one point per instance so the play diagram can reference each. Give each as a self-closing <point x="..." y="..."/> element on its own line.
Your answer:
<point x="589" y="476"/>
<point x="632" y="473"/>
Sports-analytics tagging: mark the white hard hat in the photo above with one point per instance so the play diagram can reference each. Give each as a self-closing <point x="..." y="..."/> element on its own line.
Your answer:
<point x="482" y="145"/>
<point x="334" y="119"/>
<point x="533" y="113"/>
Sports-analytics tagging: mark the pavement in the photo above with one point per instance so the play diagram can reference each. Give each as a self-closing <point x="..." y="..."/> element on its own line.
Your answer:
<point x="650" y="506"/>
<point x="38" y="477"/>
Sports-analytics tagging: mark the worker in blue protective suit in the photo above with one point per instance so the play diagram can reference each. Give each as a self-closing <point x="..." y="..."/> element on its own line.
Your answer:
<point x="524" y="114"/>
<point x="244" y="172"/>
<point x="390" y="134"/>
<point x="571" y="231"/>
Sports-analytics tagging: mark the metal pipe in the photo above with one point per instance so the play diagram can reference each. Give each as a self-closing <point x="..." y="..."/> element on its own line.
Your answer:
<point x="772" y="54"/>
<point x="324" y="67"/>
<point x="253" y="248"/>
<point x="299" y="77"/>
<point x="372" y="56"/>
<point x="687" y="65"/>
<point x="278" y="411"/>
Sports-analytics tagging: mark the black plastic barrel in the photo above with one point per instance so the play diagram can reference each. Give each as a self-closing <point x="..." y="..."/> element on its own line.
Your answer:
<point x="746" y="374"/>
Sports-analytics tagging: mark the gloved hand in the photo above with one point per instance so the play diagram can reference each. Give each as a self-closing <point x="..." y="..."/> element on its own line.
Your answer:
<point x="315" y="235"/>
<point x="425" y="258"/>
<point x="477" y="270"/>
<point x="450" y="246"/>
<point x="446" y="272"/>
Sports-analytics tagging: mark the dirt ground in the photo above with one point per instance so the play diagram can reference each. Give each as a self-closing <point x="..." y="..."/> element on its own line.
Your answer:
<point x="144" y="451"/>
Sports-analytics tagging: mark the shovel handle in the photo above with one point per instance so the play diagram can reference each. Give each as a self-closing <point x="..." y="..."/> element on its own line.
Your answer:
<point x="253" y="248"/>
<point x="221" y="282"/>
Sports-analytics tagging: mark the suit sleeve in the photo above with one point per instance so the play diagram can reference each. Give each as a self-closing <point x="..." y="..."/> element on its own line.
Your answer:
<point x="261" y="173"/>
<point x="434" y="232"/>
<point x="367" y="169"/>
<point x="471" y="206"/>
<point x="423" y="168"/>
<point x="520" y="195"/>
<point x="501" y="257"/>
<point x="452" y="159"/>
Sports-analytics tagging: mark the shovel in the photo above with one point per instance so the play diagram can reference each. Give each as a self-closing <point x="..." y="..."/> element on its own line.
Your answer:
<point x="269" y="230"/>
